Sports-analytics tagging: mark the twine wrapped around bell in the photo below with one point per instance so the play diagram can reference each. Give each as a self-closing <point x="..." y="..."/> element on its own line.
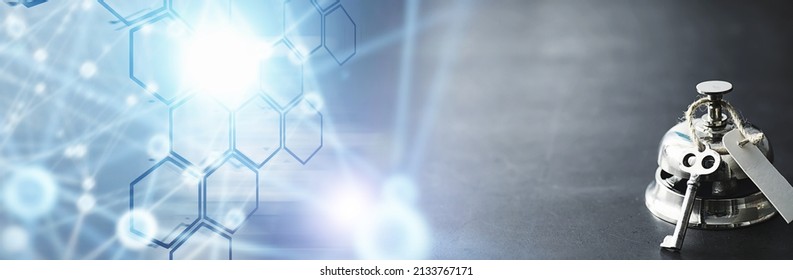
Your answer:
<point x="726" y="198"/>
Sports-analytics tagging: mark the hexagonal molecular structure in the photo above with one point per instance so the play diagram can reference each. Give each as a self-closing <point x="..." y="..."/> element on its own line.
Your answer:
<point x="202" y="14"/>
<point x="130" y="12"/>
<point x="171" y="195"/>
<point x="155" y="57"/>
<point x="282" y="75"/>
<point x="262" y="18"/>
<point x="257" y="130"/>
<point x="303" y="26"/>
<point x="231" y="193"/>
<point x="200" y="131"/>
<point x="325" y="5"/>
<point x="303" y="131"/>
<point x="203" y="243"/>
<point x="26" y="3"/>
<point x="340" y="35"/>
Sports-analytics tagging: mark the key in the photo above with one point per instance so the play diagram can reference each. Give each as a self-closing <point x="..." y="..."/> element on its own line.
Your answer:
<point x="697" y="164"/>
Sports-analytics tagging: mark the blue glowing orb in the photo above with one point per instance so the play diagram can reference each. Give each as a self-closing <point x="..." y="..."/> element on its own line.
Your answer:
<point x="30" y="193"/>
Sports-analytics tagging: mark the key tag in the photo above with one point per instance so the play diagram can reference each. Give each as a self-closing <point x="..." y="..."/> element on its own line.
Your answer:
<point x="773" y="185"/>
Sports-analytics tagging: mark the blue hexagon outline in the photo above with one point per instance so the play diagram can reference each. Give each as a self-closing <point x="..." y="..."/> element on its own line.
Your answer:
<point x="302" y="78"/>
<point x="180" y="18"/>
<point x="335" y="3"/>
<point x="355" y="33"/>
<point x="204" y="185"/>
<point x="321" y="133"/>
<point x="141" y="18"/>
<point x="26" y="3"/>
<point x="132" y="203"/>
<point x="246" y="160"/>
<point x="132" y="62"/>
<point x="195" y="229"/>
<point x="184" y="160"/>
<point x="321" y="29"/>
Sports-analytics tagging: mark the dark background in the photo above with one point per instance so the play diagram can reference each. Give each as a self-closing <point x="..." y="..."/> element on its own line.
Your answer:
<point x="533" y="126"/>
<point x="548" y="133"/>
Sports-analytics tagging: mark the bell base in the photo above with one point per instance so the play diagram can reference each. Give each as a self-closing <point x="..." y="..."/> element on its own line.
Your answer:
<point x="726" y="213"/>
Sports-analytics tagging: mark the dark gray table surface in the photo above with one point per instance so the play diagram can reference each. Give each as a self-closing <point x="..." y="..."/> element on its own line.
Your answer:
<point x="548" y="133"/>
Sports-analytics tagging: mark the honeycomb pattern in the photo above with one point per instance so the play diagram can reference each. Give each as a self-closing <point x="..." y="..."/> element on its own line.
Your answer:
<point x="207" y="186"/>
<point x="258" y="145"/>
<point x="282" y="75"/>
<point x="325" y="5"/>
<point x="303" y="26"/>
<point x="231" y="193"/>
<point x="171" y="195"/>
<point x="26" y="3"/>
<point x="130" y="12"/>
<point x="303" y="131"/>
<point x="200" y="131"/>
<point x="340" y="34"/>
<point x="154" y="53"/>
<point x="205" y="243"/>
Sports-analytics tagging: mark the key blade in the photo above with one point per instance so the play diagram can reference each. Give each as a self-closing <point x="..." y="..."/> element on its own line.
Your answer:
<point x="762" y="172"/>
<point x="670" y="243"/>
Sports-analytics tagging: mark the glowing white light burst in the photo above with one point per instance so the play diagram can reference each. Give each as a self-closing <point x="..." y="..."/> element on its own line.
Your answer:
<point x="224" y="63"/>
<point x="395" y="232"/>
<point x="348" y="206"/>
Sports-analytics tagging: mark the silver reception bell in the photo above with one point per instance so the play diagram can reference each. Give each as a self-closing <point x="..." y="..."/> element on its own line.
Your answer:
<point x="694" y="189"/>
